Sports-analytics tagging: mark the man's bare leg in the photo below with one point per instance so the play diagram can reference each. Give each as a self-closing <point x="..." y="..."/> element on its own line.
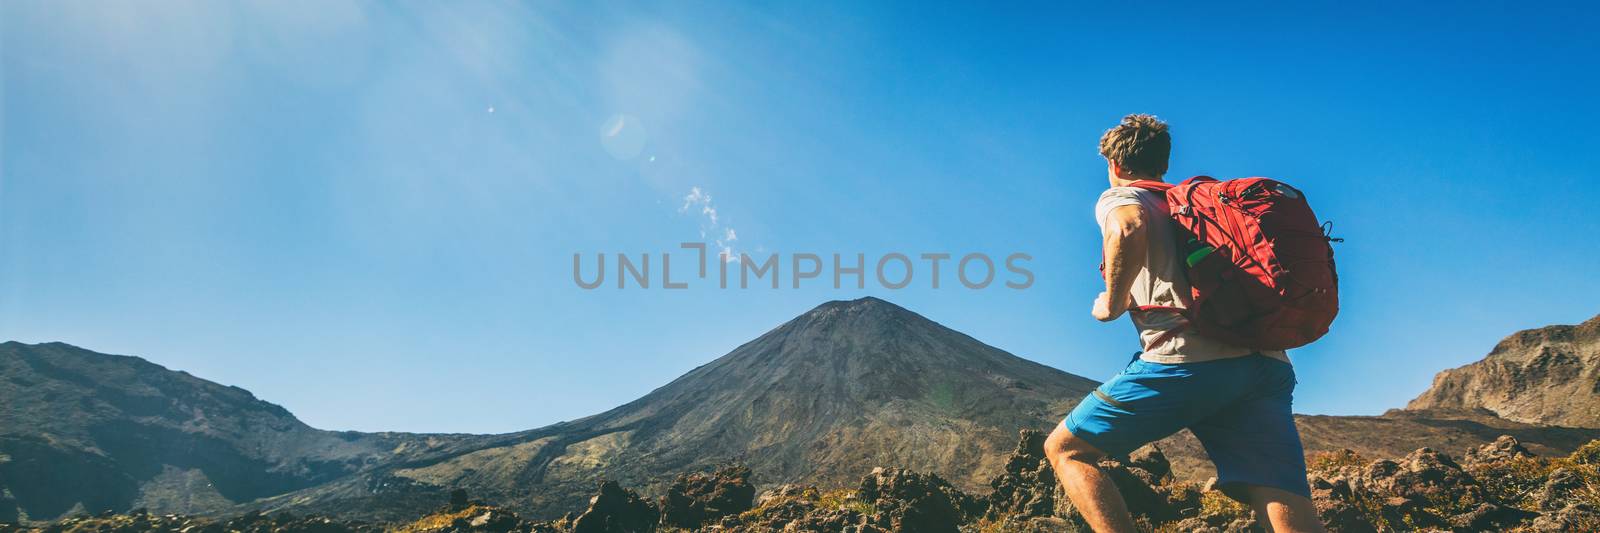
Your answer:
<point x="1091" y="491"/>
<point x="1286" y="511"/>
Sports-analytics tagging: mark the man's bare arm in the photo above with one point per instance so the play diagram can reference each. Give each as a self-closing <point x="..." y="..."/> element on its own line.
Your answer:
<point x="1126" y="245"/>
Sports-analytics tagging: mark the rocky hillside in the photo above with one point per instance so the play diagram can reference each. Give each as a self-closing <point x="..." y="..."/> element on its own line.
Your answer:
<point x="1500" y="486"/>
<point x="840" y="389"/>
<point x="1549" y="375"/>
<point x="84" y="431"/>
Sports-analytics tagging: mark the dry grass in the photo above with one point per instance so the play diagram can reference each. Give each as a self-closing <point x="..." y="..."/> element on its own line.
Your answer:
<point x="845" y="500"/>
<point x="808" y="495"/>
<point x="1215" y="504"/>
<point x="1513" y="481"/>
<point x="1586" y="464"/>
<point x="1588" y="454"/>
<point x="438" y="521"/>
<point x="1329" y="463"/>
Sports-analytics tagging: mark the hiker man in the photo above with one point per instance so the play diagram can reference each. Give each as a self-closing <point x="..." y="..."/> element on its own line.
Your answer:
<point x="1234" y="399"/>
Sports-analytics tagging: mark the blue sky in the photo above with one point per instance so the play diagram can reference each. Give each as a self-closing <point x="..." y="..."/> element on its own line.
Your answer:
<point x="314" y="200"/>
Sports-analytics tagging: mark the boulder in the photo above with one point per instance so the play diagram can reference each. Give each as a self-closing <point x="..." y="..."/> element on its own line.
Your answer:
<point x="1503" y="448"/>
<point x="1028" y="486"/>
<point x="617" y="510"/>
<point x="1135" y="484"/>
<point x="782" y="492"/>
<point x="1558" y="487"/>
<point x="701" y="498"/>
<point x="1337" y="506"/>
<point x="1198" y="525"/>
<point x="1489" y="517"/>
<point x="1425" y="476"/>
<point x="841" y="520"/>
<point x="489" y="520"/>
<point x="778" y="507"/>
<point x="1041" y="524"/>
<point x="1577" y="516"/>
<point x="913" y="502"/>
<point x="1150" y="459"/>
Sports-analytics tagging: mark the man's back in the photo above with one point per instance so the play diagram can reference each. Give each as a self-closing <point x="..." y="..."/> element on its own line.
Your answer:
<point x="1161" y="282"/>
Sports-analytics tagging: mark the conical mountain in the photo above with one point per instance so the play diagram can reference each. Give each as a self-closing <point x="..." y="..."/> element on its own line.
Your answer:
<point x="845" y="387"/>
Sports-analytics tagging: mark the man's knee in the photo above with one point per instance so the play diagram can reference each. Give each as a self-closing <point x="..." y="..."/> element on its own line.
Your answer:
<point x="1062" y="445"/>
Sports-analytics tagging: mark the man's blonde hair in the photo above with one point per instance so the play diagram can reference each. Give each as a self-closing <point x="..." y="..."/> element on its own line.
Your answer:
<point x="1140" y="145"/>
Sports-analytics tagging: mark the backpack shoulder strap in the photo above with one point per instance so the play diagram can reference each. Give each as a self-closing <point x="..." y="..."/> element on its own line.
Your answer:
<point x="1150" y="185"/>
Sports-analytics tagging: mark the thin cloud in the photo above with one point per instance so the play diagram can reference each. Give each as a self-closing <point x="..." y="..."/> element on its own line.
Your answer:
<point x="699" y="201"/>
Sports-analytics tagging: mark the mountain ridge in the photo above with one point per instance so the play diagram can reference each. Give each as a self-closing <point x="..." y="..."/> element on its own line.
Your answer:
<point x="93" y="431"/>
<point x="1548" y="375"/>
<point x="845" y="387"/>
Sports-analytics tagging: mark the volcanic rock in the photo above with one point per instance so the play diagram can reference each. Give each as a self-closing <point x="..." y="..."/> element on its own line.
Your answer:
<point x="700" y="498"/>
<point x="617" y="510"/>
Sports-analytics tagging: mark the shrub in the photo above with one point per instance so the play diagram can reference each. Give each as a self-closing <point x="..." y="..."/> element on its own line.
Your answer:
<point x="845" y="500"/>
<point x="1512" y="481"/>
<point x="1588" y="454"/>
<point x="1329" y="463"/>
<point x="1217" y="508"/>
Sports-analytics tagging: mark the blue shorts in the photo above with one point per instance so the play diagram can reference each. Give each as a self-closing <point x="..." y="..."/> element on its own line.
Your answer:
<point x="1239" y="408"/>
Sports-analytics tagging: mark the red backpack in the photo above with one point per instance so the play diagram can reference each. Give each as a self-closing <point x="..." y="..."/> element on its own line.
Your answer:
<point x="1259" y="264"/>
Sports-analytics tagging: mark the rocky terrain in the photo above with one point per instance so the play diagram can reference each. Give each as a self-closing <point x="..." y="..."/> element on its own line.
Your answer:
<point x="1549" y="375"/>
<point x="1394" y="434"/>
<point x="1500" y="486"/>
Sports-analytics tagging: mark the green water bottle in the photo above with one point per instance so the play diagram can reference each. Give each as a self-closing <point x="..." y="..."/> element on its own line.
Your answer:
<point x="1194" y="251"/>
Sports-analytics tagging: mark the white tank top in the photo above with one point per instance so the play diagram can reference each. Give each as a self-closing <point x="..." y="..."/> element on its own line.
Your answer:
<point x="1161" y="282"/>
